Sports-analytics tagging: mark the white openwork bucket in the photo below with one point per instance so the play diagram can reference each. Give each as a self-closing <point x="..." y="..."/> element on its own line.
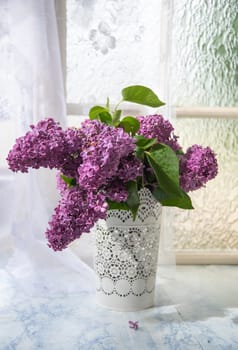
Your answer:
<point x="126" y="256"/>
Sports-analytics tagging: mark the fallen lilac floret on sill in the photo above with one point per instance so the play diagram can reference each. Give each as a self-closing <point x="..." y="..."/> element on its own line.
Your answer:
<point x="133" y="325"/>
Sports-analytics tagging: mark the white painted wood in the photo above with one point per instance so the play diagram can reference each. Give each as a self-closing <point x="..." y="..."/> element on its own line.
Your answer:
<point x="83" y="109"/>
<point x="205" y="257"/>
<point x="207" y="112"/>
<point x="180" y="112"/>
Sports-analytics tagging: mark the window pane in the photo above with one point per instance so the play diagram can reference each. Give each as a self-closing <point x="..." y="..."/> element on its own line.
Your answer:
<point x="110" y="44"/>
<point x="213" y="224"/>
<point x="204" y="63"/>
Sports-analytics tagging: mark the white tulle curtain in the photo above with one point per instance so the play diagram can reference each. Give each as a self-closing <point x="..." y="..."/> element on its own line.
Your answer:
<point x="31" y="89"/>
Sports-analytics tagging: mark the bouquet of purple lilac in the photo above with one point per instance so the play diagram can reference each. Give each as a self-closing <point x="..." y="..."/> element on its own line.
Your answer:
<point x="103" y="164"/>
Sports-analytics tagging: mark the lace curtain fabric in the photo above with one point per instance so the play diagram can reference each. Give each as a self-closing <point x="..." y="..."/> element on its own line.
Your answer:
<point x="31" y="89"/>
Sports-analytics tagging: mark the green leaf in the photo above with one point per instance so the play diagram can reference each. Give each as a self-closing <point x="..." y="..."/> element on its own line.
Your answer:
<point x="145" y="143"/>
<point x="140" y="152"/>
<point x="95" y="111"/>
<point x="116" y="117"/>
<point x="179" y="152"/>
<point x="105" y="117"/>
<point x="183" y="201"/>
<point x="130" y="125"/>
<point x="133" y="200"/>
<point x="141" y="95"/>
<point x="117" y="205"/>
<point x="165" y="165"/>
<point x="70" y="181"/>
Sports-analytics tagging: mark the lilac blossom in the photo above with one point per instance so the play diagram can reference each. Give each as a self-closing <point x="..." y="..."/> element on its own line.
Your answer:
<point x="47" y="145"/>
<point x="76" y="213"/>
<point x="101" y="160"/>
<point x="103" y="148"/>
<point x="130" y="168"/>
<point x="155" y="126"/>
<point x="116" y="191"/>
<point x="43" y="146"/>
<point x="197" y="166"/>
<point x="61" y="185"/>
<point x="73" y="146"/>
<point x="133" y="324"/>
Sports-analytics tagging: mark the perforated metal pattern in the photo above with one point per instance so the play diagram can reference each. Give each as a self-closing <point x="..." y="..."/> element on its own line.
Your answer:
<point x="127" y="250"/>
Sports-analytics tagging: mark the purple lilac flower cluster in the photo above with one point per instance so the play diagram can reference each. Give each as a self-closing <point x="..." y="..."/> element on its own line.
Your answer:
<point x="76" y="213"/>
<point x="99" y="154"/>
<point x="129" y="168"/>
<point x="73" y="139"/>
<point x="197" y="166"/>
<point x="100" y="160"/>
<point x="43" y="146"/>
<point x="103" y="148"/>
<point x="155" y="126"/>
<point x="99" y="157"/>
<point x="116" y="191"/>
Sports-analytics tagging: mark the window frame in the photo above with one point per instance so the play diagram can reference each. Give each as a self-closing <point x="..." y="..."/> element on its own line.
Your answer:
<point x="183" y="257"/>
<point x="180" y="112"/>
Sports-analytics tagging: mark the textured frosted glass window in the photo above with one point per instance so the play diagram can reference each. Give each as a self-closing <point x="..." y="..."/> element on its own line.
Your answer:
<point x="110" y="44"/>
<point x="203" y="67"/>
<point x="204" y="62"/>
<point x="214" y="222"/>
